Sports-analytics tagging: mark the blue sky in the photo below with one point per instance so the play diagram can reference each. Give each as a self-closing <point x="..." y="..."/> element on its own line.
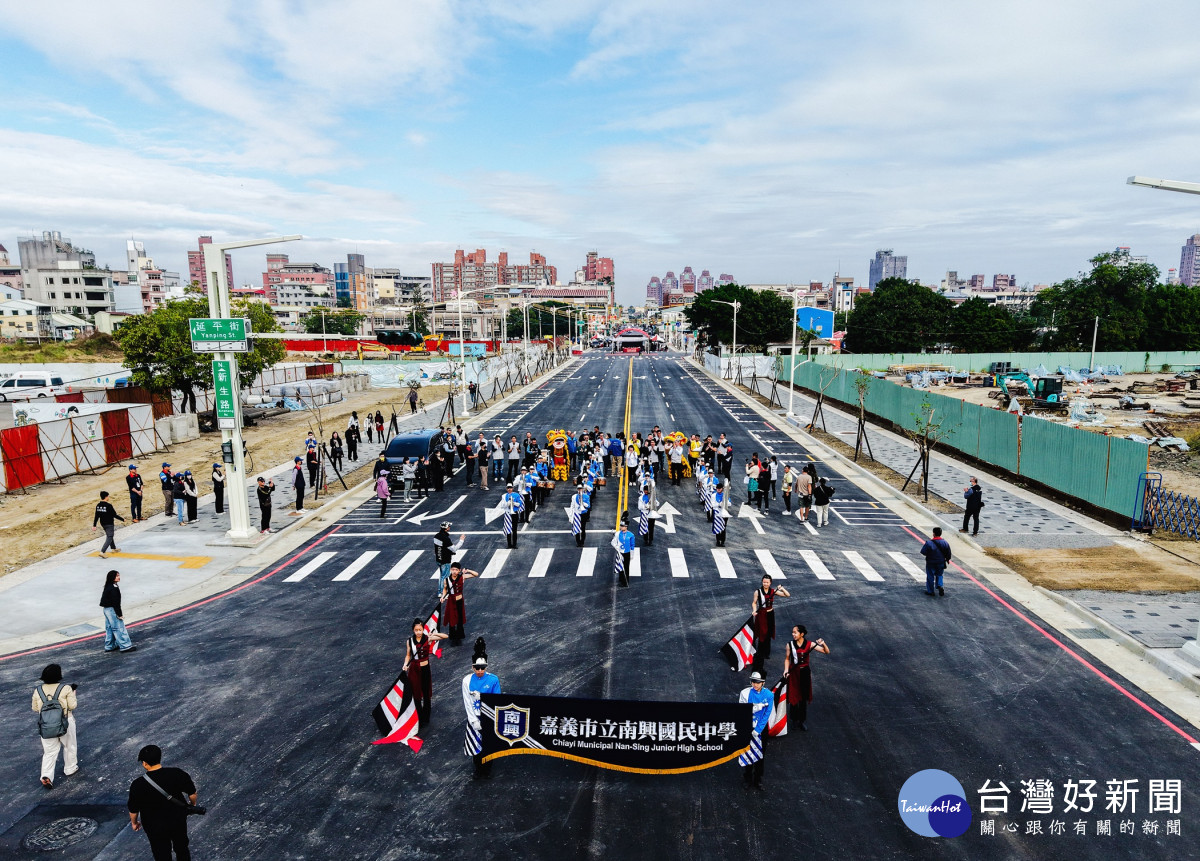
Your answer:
<point x="774" y="141"/>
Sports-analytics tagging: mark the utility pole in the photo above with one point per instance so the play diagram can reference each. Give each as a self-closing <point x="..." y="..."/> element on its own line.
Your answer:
<point x="1092" y="360"/>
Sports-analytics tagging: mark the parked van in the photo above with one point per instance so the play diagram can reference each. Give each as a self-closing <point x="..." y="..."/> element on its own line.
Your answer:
<point x="27" y="385"/>
<point x="412" y="445"/>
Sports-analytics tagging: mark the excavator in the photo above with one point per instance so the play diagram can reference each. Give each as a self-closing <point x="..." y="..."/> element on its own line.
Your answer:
<point x="1045" y="392"/>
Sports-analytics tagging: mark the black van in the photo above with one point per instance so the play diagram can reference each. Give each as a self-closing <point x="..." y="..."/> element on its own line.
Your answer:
<point x="412" y="445"/>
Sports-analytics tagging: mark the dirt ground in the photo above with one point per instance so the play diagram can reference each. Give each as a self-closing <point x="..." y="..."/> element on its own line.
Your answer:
<point x="55" y="516"/>
<point x="1114" y="568"/>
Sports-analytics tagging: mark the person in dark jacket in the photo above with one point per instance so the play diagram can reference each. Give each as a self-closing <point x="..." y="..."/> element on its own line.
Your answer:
<point x="264" y="491"/>
<point x="423" y="476"/>
<point x="313" y="462"/>
<point x="437" y="470"/>
<point x="298" y="483"/>
<point x="936" y="551"/>
<point x="822" y="494"/>
<point x="105" y="516"/>
<point x="352" y="438"/>
<point x="336" y="451"/>
<point x="179" y="494"/>
<point x="166" y="479"/>
<point x="115" y="635"/>
<point x="218" y="480"/>
<point x="134" y="482"/>
<point x="191" y="495"/>
<point x="973" y="494"/>
<point x="381" y="465"/>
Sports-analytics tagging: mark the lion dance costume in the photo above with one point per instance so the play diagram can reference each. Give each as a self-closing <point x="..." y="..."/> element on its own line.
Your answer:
<point x="560" y="468"/>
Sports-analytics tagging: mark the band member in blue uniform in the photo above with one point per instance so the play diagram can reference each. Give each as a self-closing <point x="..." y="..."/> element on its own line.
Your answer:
<point x="760" y="698"/>
<point x="719" y="514"/>
<point x="513" y="506"/>
<point x="578" y="510"/>
<point x="623" y="543"/>
<point x="646" y="522"/>
<point x="478" y="681"/>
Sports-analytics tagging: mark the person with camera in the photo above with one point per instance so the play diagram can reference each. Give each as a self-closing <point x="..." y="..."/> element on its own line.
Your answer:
<point x="55" y="705"/>
<point x="159" y="804"/>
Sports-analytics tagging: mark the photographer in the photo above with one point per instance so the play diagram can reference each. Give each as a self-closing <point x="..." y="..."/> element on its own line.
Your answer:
<point x="157" y="805"/>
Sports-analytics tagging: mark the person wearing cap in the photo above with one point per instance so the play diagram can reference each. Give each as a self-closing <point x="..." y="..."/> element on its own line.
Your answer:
<point x="298" y="482"/>
<point x="512" y="504"/>
<point x="475" y="683"/>
<point x="623" y="543"/>
<point x="105" y="515"/>
<point x="760" y="699"/>
<point x="578" y="509"/>
<point x="165" y="479"/>
<point x="191" y="495"/>
<point x="151" y="808"/>
<point x="134" y="482"/>
<point x="452" y="594"/>
<point x="218" y="480"/>
<point x="443" y="550"/>
<point x="263" y="492"/>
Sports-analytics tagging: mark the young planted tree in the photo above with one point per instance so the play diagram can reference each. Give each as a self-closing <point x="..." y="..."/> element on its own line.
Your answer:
<point x="926" y="433"/>
<point x="862" y="385"/>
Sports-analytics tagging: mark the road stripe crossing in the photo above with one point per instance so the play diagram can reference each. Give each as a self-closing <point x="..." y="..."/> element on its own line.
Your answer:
<point x="542" y="563"/>
<point x="313" y="565"/>
<point x="814" y="562"/>
<point x="403" y="565"/>
<point x="492" y="570"/>
<point x="357" y="565"/>
<point x="908" y="565"/>
<point x="724" y="566"/>
<point x="678" y="562"/>
<point x="863" y="566"/>
<point x="587" y="562"/>
<point x="770" y="566"/>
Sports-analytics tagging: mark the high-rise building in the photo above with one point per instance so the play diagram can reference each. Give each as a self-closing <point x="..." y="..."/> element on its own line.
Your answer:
<point x="474" y="272"/>
<point x="1189" y="262"/>
<point x="281" y="271"/>
<point x="196" y="265"/>
<point x="704" y="282"/>
<point x="887" y="265"/>
<point x="597" y="268"/>
<point x="1004" y="282"/>
<point x="977" y="282"/>
<point x="151" y="285"/>
<point x="723" y="280"/>
<point x="654" y="291"/>
<point x="687" y="282"/>
<point x="57" y="274"/>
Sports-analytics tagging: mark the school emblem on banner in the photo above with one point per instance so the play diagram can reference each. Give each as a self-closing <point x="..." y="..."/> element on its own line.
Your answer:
<point x="512" y="724"/>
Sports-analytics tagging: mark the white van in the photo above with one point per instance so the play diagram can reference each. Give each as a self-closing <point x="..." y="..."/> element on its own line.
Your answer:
<point x="27" y="385"/>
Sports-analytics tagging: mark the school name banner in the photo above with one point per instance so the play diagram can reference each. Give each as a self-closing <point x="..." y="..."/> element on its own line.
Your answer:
<point x="623" y="735"/>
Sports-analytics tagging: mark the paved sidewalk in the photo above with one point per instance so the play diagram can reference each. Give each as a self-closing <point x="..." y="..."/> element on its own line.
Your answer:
<point x="163" y="565"/>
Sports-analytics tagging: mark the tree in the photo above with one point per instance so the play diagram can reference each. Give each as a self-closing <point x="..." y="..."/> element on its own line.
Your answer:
<point x="1172" y="317"/>
<point x="979" y="327"/>
<point x="343" y="321"/>
<point x="1115" y="290"/>
<point x="763" y="318"/>
<point x="419" y="314"/>
<point x="898" y="317"/>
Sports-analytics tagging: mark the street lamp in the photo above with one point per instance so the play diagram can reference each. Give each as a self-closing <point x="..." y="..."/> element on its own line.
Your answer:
<point x="462" y="350"/>
<point x="735" y="305"/>
<point x="219" y="307"/>
<point x="795" y="291"/>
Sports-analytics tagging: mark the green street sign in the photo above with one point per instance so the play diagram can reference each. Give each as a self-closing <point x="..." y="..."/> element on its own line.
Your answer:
<point x="220" y="335"/>
<point x="223" y="396"/>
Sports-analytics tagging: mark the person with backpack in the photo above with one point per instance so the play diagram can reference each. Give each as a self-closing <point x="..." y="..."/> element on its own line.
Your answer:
<point x="936" y="551"/>
<point x="115" y="635"/>
<point x="822" y="494"/>
<point x="159" y="803"/>
<point x="55" y="705"/>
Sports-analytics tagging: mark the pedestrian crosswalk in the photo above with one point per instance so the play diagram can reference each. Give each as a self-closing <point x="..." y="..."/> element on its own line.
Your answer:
<point x="676" y="564"/>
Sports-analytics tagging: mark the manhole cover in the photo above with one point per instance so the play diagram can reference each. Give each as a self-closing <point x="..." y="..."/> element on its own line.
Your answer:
<point x="60" y="834"/>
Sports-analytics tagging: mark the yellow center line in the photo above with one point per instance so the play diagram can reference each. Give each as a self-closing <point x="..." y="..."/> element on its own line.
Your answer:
<point x="622" y="499"/>
<point x="184" y="561"/>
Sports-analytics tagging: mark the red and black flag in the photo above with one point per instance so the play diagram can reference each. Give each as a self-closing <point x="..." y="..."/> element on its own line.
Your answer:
<point x="777" y="723"/>
<point x="432" y="626"/>
<point x="396" y="715"/>
<point x="739" y="651"/>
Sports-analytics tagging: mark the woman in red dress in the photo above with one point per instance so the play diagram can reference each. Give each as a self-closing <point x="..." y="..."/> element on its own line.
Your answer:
<point x="762" y="609"/>
<point x="416" y="664"/>
<point x="456" y="610"/>
<point x="799" y="675"/>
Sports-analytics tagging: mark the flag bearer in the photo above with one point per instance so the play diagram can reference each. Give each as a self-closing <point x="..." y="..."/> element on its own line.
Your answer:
<point x="513" y="506"/>
<point x="478" y="681"/>
<point x="760" y="699"/>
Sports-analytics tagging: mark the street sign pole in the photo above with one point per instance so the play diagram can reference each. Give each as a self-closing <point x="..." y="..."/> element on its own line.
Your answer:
<point x="219" y="307"/>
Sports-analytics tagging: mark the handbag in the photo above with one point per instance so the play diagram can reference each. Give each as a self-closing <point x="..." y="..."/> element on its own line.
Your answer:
<point x="189" y="809"/>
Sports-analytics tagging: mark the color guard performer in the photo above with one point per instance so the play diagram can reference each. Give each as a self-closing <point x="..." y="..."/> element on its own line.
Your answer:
<point x="623" y="543"/>
<point x="799" y="674"/>
<point x="452" y="589"/>
<point x="416" y="664"/>
<point x="578" y="511"/>
<point x="762" y="608"/>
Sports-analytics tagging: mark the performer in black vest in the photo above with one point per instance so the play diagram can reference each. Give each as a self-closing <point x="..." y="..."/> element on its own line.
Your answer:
<point x="763" y="610"/>
<point x="452" y="595"/>
<point x="799" y="674"/>
<point x="416" y="664"/>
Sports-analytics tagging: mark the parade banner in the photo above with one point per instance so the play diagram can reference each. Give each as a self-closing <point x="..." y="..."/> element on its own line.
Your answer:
<point x="623" y="735"/>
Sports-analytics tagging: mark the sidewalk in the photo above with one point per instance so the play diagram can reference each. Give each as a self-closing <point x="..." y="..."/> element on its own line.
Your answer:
<point x="165" y="566"/>
<point x="1140" y="635"/>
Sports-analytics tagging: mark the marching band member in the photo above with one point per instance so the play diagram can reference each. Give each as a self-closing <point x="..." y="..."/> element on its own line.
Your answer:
<point x="646" y="523"/>
<point x="416" y="664"/>
<point x="719" y="514"/>
<point x="512" y="506"/>
<point x="478" y="681"/>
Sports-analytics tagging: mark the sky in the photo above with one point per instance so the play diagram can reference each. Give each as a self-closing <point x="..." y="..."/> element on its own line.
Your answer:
<point x="775" y="141"/>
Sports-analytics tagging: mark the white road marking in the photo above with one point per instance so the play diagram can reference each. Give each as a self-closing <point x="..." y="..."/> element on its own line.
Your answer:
<point x="437" y="572"/>
<point x="587" y="562"/>
<point x="403" y="565"/>
<point x="818" y="567"/>
<point x="724" y="565"/>
<point x="812" y="529"/>
<point x="321" y="559"/>
<point x="838" y="516"/>
<point x="494" y="565"/>
<point x="411" y="510"/>
<point x="863" y="566"/>
<point x="542" y="563"/>
<point x="357" y="565"/>
<point x="770" y="566"/>
<point x="678" y="563"/>
<point x="635" y="562"/>
<point x="907" y="564"/>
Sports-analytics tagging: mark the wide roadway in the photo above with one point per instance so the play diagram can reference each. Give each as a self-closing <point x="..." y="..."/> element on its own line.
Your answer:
<point x="265" y="695"/>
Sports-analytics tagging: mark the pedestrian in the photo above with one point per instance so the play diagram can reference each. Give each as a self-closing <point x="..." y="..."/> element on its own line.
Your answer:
<point x="531" y="450"/>
<point x="452" y="594"/>
<point x="723" y="456"/>
<point x="408" y="474"/>
<point x="623" y="543"/>
<point x="497" y="459"/>
<point x="423" y="477"/>
<point x="55" y="705"/>
<point x="974" y="497"/>
<point x="134" y="482"/>
<point x="336" y="452"/>
<point x="481" y="454"/>
<point x="514" y="458"/>
<point x="416" y="664"/>
<point x="677" y="455"/>
<point x="379" y="426"/>
<point x="472" y="461"/>
<point x="352" y="438"/>
<point x="298" y="483"/>
<point x="936" y="551"/>
<point x="773" y="477"/>
<point x="106" y="515"/>
<point x="310" y="442"/>
<point x="513" y="507"/>
<point x="449" y="449"/>
<point x="437" y="470"/>
<point x="158" y="804"/>
<point x="477" y="682"/>
<point x="760" y="700"/>
<point x="179" y="494"/>
<point x="167" y="480"/>
<point x="370" y="423"/>
<point x="313" y="462"/>
<point x="616" y="452"/>
<point x="799" y="674"/>
<point x="646" y="521"/>
<point x="115" y="635"/>
<point x="789" y="485"/>
<point x="762" y="610"/>
<point x="751" y="482"/>
<point x="822" y="494"/>
<point x="218" y="480"/>
<point x="720" y="513"/>
<point x="380" y="465"/>
<point x="578" y="507"/>
<point x="572" y="451"/>
<point x="804" y="491"/>
<point x="383" y="491"/>
<point x="443" y="550"/>
<point x="264" y="491"/>
<point x="473" y="391"/>
<point x="412" y="401"/>
<point x="191" y="496"/>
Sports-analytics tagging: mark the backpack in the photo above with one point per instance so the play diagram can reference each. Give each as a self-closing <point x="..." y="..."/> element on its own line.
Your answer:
<point x="52" y="719"/>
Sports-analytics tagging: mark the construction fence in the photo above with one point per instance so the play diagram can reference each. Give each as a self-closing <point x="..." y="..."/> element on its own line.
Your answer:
<point x="1131" y="361"/>
<point x="1099" y="469"/>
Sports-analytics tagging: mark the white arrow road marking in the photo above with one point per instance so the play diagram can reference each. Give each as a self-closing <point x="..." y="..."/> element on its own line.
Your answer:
<point x="411" y="510"/>
<point x="863" y="566"/>
<point x="494" y="565"/>
<point x="678" y="562"/>
<point x="357" y="565"/>
<point x="668" y="511"/>
<point x="542" y="564"/>
<point x="770" y="566"/>
<point x="437" y="572"/>
<point x="724" y="566"/>
<point x="817" y="566"/>
<point x="587" y="562"/>
<point x="421" y="518"/>
<point x="490" y="514"/>
<point x="746" y="512"/>
<point x="403" y="565"/>
<point x="321" y="559"/>
<point x="907" y="564"/>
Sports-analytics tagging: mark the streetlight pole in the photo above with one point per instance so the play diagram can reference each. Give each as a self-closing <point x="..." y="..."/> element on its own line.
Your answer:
<point x="219" y="307"/>
<point x="792" y="360"/>
<point x="324" y="345"/>
<point x="735" y="305"/>
<point x="462" y="350"/>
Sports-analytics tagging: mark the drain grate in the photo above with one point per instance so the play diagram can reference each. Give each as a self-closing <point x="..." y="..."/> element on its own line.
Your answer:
<point x="1087" y="633"/>
<point x="78" y="630"/>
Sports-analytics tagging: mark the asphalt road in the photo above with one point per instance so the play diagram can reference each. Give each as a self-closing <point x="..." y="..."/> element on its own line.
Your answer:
<point x="265" y="696"/>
